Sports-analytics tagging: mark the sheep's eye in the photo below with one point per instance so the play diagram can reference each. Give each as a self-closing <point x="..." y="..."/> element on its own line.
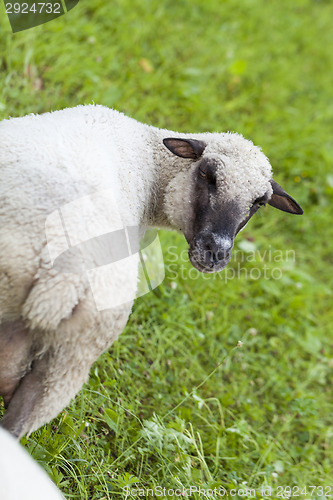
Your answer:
<point x="202" y="174"/>
<point x="207" y="172"/>
<point x="208" y="177"/>
<point x="260" y="201"/>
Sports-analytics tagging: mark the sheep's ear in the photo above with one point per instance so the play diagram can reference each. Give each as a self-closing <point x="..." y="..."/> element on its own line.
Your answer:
<point x="185" y="148"/>
<point x="282" y="201"/>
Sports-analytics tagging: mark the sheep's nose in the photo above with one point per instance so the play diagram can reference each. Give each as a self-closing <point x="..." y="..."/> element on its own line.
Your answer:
<point x="218" y="249"/>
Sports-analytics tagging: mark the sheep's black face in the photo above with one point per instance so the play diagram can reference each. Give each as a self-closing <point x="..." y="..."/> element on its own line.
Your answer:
<point x="216" y="220"/>
<point x="218" y="195"/>
<point x="210" y="236"/>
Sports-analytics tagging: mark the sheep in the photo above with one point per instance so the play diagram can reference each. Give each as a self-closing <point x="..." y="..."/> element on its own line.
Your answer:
<point x="20" y="477"/>
<point x="54" y="323"/>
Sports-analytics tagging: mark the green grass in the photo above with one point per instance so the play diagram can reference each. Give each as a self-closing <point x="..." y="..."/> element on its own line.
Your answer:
<point x="174" y="402"/>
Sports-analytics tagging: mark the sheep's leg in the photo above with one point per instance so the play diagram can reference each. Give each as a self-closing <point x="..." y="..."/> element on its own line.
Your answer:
<point x="58" y="373"/>
<point x="22" y="403"/>
<point x="53" y="381"/>
<point x="63" y="356"/>
<point x="15" y="346"/>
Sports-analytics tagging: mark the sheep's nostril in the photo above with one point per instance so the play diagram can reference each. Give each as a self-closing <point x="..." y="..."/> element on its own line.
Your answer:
<point x="217" y="253"/>
<point x="224" y="253"/>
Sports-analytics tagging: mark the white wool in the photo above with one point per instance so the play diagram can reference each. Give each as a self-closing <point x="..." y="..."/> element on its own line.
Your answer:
<point x="64" y="166"/>
<point x="20" y="477"/>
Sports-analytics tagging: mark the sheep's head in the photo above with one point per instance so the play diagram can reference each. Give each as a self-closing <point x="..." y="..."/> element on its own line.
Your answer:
<point x="224" y="180"/>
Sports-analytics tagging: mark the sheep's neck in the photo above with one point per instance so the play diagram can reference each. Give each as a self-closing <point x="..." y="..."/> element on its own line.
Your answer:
<point x="165" y="167"/>
<point x="146" y="171"/>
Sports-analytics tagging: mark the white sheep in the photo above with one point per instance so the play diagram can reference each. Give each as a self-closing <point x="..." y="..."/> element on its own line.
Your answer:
<point x="20" y="477"/>
<point x="96" y="171"/>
